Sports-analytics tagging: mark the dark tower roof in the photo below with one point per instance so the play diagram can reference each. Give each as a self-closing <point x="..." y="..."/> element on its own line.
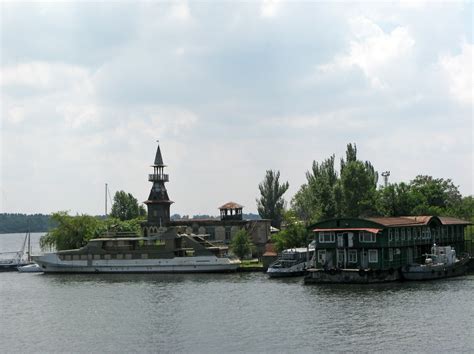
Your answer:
<point x="158" y="158"/>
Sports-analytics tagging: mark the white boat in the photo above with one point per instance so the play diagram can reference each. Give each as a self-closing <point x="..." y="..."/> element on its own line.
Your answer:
<point x="30" y="268"/>
<point x="441" y="263"/>
<point x="10" y="261"/>
<point x="292" y="262"/>
<point x="167" y="252"/>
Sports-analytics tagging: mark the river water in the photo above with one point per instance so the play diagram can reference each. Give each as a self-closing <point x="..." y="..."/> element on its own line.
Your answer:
<point x="228" y="313"/>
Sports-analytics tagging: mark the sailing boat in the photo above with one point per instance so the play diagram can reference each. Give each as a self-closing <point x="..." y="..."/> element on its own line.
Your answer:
<point x="29" y="266"/>
<point x="10" y="261"/>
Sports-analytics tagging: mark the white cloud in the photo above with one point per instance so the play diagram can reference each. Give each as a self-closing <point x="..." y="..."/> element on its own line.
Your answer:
<point x="42" y="75"/>
<point x="270" y="8"/>
<point x="373" y="51"/>
<point x="180" y="11"/>
<point x="459" y="73"/>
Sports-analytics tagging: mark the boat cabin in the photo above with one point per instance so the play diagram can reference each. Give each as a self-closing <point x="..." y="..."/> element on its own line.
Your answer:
<point x="384" y="242"/>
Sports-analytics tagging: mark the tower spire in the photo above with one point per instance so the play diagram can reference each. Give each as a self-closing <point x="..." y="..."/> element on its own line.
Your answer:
<point x="158" y="202"/>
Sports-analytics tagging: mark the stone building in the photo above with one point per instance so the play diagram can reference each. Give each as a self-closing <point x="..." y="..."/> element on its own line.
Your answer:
<point x="219" y="231"/>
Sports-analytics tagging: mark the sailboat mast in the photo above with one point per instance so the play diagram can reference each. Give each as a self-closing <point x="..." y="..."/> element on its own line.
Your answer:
<point x="106" y="200"/>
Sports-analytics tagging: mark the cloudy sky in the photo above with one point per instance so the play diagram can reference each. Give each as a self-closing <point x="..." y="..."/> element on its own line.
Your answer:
<point x="230" y="90"/>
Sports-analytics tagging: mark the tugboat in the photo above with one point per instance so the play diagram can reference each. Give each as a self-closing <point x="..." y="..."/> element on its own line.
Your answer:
<point x="441" y="263"/>
<point x="292" y="262"/>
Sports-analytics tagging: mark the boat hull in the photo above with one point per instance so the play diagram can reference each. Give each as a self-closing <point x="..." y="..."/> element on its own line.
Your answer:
<point x="425" y="272"/>
<point x="52" y="264"/>
<point x="350" y="276"/>
<point x="11" y="267"/>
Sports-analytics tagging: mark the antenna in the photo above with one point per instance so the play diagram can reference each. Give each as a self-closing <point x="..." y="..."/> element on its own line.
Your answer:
<point x="385" y="176"/>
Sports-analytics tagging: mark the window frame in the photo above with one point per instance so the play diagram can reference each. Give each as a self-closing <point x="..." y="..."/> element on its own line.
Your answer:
<point x="363" y="237"/>
<point x="323" y="234"/>
<point x="376" y="252"/>
<point x="352" y="256"/>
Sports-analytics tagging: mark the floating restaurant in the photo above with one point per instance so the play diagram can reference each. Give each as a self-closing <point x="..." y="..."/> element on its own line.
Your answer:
<point x="368" y="250"/>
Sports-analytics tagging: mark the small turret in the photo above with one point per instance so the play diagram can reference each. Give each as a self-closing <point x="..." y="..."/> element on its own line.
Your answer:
<point x="231" y="211"/>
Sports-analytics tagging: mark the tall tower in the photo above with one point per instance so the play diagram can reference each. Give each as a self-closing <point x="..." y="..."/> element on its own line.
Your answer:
<point x="158" y="202"/>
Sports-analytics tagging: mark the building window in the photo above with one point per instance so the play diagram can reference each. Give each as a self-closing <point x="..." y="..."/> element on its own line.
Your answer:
<point x="322" y="256"/>
<point x="326" y="237"/>
<point x="366" y="236"/>
<point x="397" y="235"/>
<point x="373" y="256"/>
<point x="227" y="233"/>
<point x="390" y="254"/>
<point x="403" y="234"/>
<point x="352" y="256"/>
<point x="409" y="234"/>
<point x="390" y="235"/>
<point x="211" y="232"/>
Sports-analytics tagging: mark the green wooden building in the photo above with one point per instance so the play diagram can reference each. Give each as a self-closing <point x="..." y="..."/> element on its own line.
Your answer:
<point x="382" y="244"/>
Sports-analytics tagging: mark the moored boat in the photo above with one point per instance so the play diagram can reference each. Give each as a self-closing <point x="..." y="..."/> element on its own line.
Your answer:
<point x="167" y="252"/>
<point x="30" y="268"/>
<point x="441" y="263"/>
<point x="291" y="262"/>
<point x="10" y="261"/>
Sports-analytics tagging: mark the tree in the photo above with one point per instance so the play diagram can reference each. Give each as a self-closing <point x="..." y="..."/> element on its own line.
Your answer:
<point x="71" y="232"/>
<point x="271" y="202"/>
<point x="315" y="200"/>
<point x="434" y="195"/>
<point x="359" y="185"/>
<point x="126" y="207"/>
<point x="395" y="200"/>
<point x="241" y="244"/>
<point x="294" y="235"/>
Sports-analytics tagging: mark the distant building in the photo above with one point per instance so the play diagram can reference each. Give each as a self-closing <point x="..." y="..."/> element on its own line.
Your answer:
<point x="218" y="231"/>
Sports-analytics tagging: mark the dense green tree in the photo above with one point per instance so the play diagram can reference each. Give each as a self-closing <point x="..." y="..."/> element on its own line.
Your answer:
<point x="295" y="234"/>
<point x="395" y="200"/>
<point x="126" y="207"/>
<point x="315" y="199"/>
<point x="241" y="244"/>
<point x="358" y="190"/>
<point x="73" y="232"/>
<point x="325" y="195"/>
<point x="270" y="205"/>
<point x="434" y="195"/>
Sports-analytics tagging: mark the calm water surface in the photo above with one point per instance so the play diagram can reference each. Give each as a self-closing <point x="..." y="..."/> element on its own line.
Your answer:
<point x="221" y="313"/>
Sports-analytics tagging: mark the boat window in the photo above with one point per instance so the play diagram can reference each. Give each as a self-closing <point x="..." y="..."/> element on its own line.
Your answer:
<point x="327" y="237"/>
<point x="373" y="256"/>
<point x="365" y="236"/>
<point x="352" y="256"/>
<point x="144" y="255"/>
<point x="119" y="256"/>
<point x="128" y="256"/>
<point x="83" y="257"/>
<point x="75" y="257"/>
<point x="96" y="256"/>
<point x="68" y="257"/>
<point x="107" y="256"/>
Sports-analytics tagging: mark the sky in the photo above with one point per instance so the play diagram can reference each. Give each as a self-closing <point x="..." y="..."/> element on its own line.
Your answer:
<point x="230" y="89"/>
